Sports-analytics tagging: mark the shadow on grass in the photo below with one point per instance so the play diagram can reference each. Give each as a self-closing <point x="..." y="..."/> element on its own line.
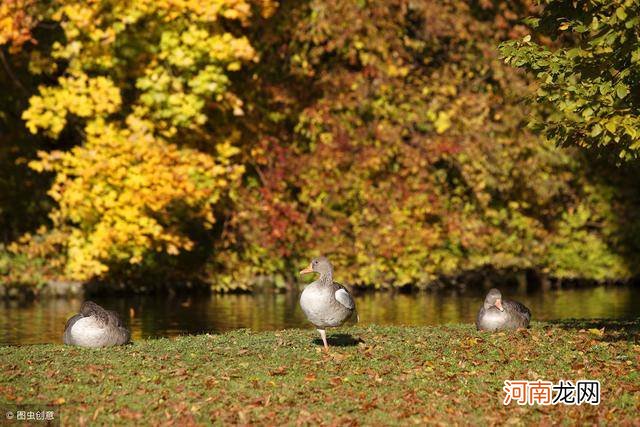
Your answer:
<point x="340" y="340"/>
<point x="614" y="330"/>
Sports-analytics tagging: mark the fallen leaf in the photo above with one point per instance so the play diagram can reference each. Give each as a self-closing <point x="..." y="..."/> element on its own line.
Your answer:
<point x="281" y="370"/>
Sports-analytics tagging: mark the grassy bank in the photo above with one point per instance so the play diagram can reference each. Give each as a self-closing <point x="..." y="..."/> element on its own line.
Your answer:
<point x="372" y="375"/>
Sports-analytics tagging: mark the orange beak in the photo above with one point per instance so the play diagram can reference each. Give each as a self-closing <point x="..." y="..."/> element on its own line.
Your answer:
<point x="309" y="269"/>
<point x="499" y="304"/>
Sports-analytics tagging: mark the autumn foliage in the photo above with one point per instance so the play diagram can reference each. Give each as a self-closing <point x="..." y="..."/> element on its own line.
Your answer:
<point x="17" y="18"/>
<point x="229" y="141"/>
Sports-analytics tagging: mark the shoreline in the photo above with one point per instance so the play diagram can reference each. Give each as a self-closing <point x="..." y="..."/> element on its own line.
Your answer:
<point x="522" y="279"/>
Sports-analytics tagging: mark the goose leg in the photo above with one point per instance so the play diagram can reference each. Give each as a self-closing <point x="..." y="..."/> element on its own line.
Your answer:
<point x="323" y="334"/>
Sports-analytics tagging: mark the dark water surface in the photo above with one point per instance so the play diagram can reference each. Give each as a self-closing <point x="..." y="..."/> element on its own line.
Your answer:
<point x="153" y="316"/>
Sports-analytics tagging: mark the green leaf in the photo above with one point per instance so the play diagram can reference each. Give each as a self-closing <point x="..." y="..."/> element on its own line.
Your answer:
<point x="572" y="53"/>
<point x="621" y="90"/>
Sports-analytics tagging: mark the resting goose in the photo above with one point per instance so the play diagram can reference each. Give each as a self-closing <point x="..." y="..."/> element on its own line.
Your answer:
<point x="95" y="327"/>
<point x="326" y="304"/>
<point x="497" y="314"/>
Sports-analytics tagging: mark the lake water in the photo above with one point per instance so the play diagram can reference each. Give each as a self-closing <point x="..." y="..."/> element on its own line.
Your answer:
<point x="153" y="316"/>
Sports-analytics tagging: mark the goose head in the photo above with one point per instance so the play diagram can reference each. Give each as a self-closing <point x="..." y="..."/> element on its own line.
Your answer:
<point x="320" y="265"/>
<point x="493" y="299"/>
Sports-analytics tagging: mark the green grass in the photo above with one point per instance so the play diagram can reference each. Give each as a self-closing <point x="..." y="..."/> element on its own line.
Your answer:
<point x="379" y="375"/>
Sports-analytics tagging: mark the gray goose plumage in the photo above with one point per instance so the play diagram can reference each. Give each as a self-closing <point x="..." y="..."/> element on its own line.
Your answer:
<point x="497" y="314"/>
<point x="95" y="327"/>
<point x="326" y="304"/>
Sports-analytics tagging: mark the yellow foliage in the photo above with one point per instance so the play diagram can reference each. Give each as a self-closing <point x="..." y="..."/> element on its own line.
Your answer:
<point x="185" y="61"/>
<point x="6" y="24"/>
<point x="442" y="122"/>
<point x="16" y="20"/>
<point x="122" y="191"/>
<point x="79" y="95"/>
<point x="139" y="76"/>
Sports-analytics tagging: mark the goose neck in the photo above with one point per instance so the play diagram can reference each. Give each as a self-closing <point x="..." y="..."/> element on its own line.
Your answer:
<point x="326" y="278"/>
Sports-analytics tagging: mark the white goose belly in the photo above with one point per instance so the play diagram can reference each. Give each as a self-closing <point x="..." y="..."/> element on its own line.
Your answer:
<point x="317" y="305"/>
<point x="86" y="332"/>
<point x="493" y="319"/>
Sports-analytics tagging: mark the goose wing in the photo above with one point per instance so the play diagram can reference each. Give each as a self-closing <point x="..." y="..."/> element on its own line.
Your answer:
<point x="66" y="336"/>
<point x="479" y="317"/>
<point x="343" y="296"/>
<point x="114" y="318"/>
<point x="72" y="320"/>
<point x="517" y="308"/>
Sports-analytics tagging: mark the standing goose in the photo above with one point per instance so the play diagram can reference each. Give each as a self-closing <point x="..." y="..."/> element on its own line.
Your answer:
<point x="95" y="327"/>
<point x="326" y="304"/>
<point x="496" y="314"/>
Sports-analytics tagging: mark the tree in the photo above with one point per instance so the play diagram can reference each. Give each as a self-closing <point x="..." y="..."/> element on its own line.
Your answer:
<point x="184" y="141"/>
<point x="590" y="78"/>
<point x="136" y="83"/>
<point x="408" y="160"/>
